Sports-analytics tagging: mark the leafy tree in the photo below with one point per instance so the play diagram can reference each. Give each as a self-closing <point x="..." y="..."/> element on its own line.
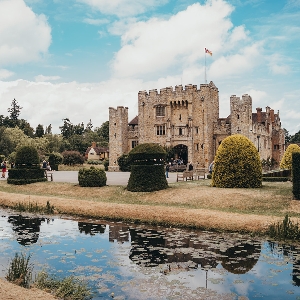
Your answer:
<point x="39" y="131"/>
<point x="72" y="158"/>
<point x="55" y="143"/>
<point x="295" y="138"/>
<point x="103" y="131"/>
<point x="287" y="136"/>
<point x="89" y="126"/>
<point x="286" y="161"/>
<point x="237" y="164"/>
<point x="67" y="128"/>
<point x="48" y="129"/>
<point x="78" y="129"/>
<point x="25" y="126"/>
<point x="15" y="110"/>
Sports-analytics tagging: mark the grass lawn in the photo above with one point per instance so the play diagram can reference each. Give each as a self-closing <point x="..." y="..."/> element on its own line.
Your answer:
<point x="192" y="204"/>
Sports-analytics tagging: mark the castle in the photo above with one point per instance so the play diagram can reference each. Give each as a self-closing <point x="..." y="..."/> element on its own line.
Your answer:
<point x="188" y="121"/>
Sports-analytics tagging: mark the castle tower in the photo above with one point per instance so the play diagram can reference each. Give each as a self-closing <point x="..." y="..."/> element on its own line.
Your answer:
<point x="241" y="115"/>
<point x="118" y="135"/>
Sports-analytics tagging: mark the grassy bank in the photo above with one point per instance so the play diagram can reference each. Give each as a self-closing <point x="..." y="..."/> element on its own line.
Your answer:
<point x="191" y="204"/>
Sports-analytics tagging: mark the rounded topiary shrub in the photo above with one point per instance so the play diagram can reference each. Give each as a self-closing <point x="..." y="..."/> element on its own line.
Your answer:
<point x="27" y="168"/>
<point x="237" y="164"/>
<point x="286" y="161"/>
<point x="147" y="168"/>
<point x="92" y="177"/>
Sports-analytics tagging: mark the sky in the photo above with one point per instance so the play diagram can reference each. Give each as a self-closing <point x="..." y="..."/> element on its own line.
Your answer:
<point x="76" y="58"/>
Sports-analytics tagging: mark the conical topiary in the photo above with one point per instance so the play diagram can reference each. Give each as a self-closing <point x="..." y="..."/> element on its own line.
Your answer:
<point x="237" y="164"/>
<point x="286" y="161"/>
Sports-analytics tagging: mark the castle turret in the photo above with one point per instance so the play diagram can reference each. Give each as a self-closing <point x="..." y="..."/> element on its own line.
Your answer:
<point x="118" y="135"/>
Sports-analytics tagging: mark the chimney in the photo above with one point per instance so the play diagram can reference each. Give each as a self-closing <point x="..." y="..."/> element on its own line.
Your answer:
<point x="272" y="115"/>
<point x="258" y="111"/>
<point x="93" y="145"/>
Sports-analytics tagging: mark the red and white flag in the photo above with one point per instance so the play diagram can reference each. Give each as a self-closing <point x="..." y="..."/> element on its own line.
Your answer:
<point x="208" y="51"/>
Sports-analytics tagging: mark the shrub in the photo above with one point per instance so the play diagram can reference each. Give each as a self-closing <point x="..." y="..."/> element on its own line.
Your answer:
<point x="147" y="170"/>
<point x="275" y="179"/>
<point x="27" y="168"/>
<point x="296" y="175"/>
<point x="286" y="161"/>
<point x="92" y="177"/>
<point x="237" y="164"/>
<point x="106" y="164"/>
<point x="55" y="159"/>
<point x="124" y="163"/>
<point x="71" y="158"/>
<point x="27" y="156"/>
<point x="19" y="271"/>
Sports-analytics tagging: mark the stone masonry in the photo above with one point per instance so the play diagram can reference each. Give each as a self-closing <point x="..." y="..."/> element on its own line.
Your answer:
<point x="188" y="119"/>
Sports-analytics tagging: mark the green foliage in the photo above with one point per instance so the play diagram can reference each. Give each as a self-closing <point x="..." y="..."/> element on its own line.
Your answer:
<point x="124" y="163"/>
<point x="148" y="153"/>
<point x="170" y="153"/>
<point x="34" y="207"/>
<point x="237" y="164"/>
<point x="27" y="156"/>
<point x="72" y="158"/>
<point x="106" y="164"/>
<point x="92" y="177"/>
<point x="54" y="160"/>
<point x="68" y="288"/>
<point x="20" y="271"/>
<point x="296" y="175"/>
<point x="147" y="178"/>
<point x="286" y="161"/>
<point x="286" y="230"/>
<point x="39" y="131"/>
<point x="22" y="175"/>
<point x="295" y="138"/>
<point x="275" y="179"/>
<point x="15" y="110"/>
<point x="268" y="163"/>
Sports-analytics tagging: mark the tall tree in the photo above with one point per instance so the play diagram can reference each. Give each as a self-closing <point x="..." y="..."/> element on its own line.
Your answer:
<point x="48" y="129"/>
<point x="287" y="136"/>
<point x="39" y="131"/>
<point x="15" y="110"/>
<point x="89" y="126"/>
<point x="67" y="129"/>
<point x="103" y="131"/>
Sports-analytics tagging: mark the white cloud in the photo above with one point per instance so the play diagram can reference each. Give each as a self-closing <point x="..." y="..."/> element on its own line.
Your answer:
<point x="24" y="36"/>
<point x="158" y="45"/>
<point x="42" y="78"/>
<point x="95" y="21"/>
<point x="123" y="8"/>
<point x="5" y="74"/>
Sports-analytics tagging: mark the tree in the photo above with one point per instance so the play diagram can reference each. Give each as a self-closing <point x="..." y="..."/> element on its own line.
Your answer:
<point x="295" y="138"/>
<point x="15" y="110"/>
<point x="72" y="158"/>
<point x="39" y="131"/>
<point x="48" y="129"/>
<point x="237" y="164"/>
<point x="103" y="131"/>
<point x="89" y="126"/>
<point x="286" y="161"/>
<point x="287" y="136"/>
<point x="67" y="129"/>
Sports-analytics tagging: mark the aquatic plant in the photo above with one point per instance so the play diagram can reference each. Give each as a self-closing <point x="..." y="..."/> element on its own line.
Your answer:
<point x="69" y="288"/>
<point x="34" y="207"/>
<point x="20" y="271"/>
<point x="287" y="230"/>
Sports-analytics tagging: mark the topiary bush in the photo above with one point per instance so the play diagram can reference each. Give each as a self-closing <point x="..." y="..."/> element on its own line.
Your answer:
<point x="286" y="161"/>
<point x="147" y="168"/>
<point x="27" y="168"/>
<point x="124" y="164"/>
<point x="92" y="177"/>
<point x="296" y="175"/>
<point x="237" y="164"/>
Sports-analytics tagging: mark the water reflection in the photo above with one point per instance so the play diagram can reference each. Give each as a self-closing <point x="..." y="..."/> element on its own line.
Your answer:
<point x="134" y="260"/>
<point x="26" y="228"/>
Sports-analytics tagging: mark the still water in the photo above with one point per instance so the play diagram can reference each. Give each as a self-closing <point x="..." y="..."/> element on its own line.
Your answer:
<point x="144" y="262"/>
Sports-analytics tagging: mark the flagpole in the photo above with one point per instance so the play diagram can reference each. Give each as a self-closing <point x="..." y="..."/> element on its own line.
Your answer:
<point x="205" y="67"/>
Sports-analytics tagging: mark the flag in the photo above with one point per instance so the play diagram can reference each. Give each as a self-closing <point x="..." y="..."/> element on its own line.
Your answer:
<point x="208" y="51"/>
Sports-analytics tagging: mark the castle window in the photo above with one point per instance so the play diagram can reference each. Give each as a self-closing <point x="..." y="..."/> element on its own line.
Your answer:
<point x="161" y="130"/>
<point x="134" y="144"/>
<point x="197" y="130"/>
<point x="197" y="147"/>
<point x="238" y="116"/>
<point x="180" y="117"/>
<point x="160" y="111"/>
<point x="180" y="131"/>
<point x="276" y="147"/>
<point x="115" y="135"/>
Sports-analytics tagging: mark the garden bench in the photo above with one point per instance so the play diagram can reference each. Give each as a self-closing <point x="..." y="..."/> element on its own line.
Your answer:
<point x="198" y="173"/>
<point x="187" y="175"/>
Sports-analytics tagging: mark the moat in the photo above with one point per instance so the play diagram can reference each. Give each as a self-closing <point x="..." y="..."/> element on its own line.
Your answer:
<point x="144" y="262"/>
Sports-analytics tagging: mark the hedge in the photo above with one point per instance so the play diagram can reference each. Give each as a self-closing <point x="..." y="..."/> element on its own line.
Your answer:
<point x="296" y="175"/>
<point x="276" y="179"/>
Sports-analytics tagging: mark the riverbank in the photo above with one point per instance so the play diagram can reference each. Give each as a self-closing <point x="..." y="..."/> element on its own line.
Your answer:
<point x="188" y="204"/>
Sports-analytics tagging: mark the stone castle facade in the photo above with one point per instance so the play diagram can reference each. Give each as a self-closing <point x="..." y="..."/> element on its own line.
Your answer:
<point x="188" y="120"/>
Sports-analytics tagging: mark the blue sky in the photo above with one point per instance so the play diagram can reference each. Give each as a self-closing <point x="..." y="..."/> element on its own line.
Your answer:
<point x="76" y="58"/>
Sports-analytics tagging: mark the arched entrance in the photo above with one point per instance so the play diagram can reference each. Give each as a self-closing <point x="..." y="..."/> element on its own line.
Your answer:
<point x="181" y="152"/>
